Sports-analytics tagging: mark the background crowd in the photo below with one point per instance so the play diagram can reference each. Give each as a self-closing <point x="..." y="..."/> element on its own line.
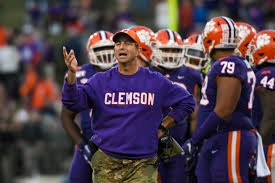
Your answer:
<point x="32" y="140"/>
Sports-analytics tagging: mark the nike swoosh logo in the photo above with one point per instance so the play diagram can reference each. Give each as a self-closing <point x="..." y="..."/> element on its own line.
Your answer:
<point x="180" y="77"/>
<point x="214" y="151"/>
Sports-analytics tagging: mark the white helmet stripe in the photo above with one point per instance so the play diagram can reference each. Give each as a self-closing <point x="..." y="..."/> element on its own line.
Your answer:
<point x="143" y="57"/>
<point x="234" y="29"/>
<point x="199" y="39"/>
<point x="171" y="35"/>
<point x="231" y="29"/>
<point x="103" y="35"/>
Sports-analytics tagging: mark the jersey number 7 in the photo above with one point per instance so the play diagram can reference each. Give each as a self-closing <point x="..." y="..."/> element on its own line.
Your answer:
<point x="229" y="67"/>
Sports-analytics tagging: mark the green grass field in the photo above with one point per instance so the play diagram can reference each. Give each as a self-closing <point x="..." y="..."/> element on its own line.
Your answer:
<point x="12" y="13"/>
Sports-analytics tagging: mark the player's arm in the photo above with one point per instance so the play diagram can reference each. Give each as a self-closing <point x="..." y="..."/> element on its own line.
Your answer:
<point x="228" y="94"/>
<point x="267" y="98"/>
<point x="71" y="128"/>
<point x="88" y="148"/>
<point x="193" y="123"/>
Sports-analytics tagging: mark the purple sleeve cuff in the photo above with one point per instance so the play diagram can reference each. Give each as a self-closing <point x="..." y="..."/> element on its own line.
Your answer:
<point x="69" y="90"/>
<point x="69" y="96"/>
<point x="185" y="107"/>
<point x="208" y="128"/>
<point x="178" y="117"/>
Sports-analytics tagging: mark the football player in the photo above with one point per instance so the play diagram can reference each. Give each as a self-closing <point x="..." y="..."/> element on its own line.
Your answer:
<point x="246" y="33"/>
<point x="194" y="57"/>
<point x="225" y="110"/>
<point x="101" y="55"/>
<point x="168" y="60"/>
<point x="147" y="43"/>
<point x="261" y="54"/>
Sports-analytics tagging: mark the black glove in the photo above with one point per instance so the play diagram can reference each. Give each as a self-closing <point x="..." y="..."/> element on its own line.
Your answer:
<point x="165" y="143"/>
<point x="190" y="154"/>
<point x="168" y="146"/>
<point x="88" y="149"/>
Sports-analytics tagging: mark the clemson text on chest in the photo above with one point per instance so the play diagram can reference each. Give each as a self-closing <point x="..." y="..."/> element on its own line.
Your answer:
<point x="127" y="98"/>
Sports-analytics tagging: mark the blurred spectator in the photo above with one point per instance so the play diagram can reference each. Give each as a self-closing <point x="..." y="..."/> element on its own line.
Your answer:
<point x="56" y="12"/>
<point x="55" y="19"/>
<point x="161" y="14"/>
<point x="269" y="7"/>
<point x="106" y="21"/>
<point x="9" y="67"/>
<point x="256" y="15"/>
<point x="45" y="91"/>
<point x="31" y="142"/>
<point x="212" y="4"/>
<point x="201" y="15"/>
<point x="38" y="89"/>
<point x="72" y="12"/>
<point x="75" y="41"/>
<point x="29" y="49"/>
<point x="186" y="17"/>
<point x="7" y="137"/>
<point x="3" y="35"/>
<point x="30" y="78"/>
<point x="124" y="17"/>
<point x="58" y="147"/>
<point x="233" y="8"/>
<point x="48" y="52"/>
<point x="74" y="26"/>
<point x="36" y="12"/>
<point x="140" y="7"/>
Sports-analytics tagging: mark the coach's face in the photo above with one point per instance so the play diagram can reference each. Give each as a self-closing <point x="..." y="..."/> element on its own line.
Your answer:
<point x="126" y="49"/>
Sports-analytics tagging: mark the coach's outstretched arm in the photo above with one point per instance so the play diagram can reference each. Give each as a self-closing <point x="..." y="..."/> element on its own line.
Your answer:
<point x="74" y="97"/>
<point x="71" y="63"/>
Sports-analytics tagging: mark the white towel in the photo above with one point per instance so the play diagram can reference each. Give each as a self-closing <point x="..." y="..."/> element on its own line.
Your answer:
<point x="262" y="169"/>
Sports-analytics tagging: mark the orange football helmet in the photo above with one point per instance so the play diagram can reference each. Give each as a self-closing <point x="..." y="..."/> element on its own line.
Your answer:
<point x="261" y="48"/>
<point x="147" y="42"/>
<point x="246" y="33"/>
<point x="169" y="50"/>
<point x="100" y="49"/>
<point x="193" y="53"/>
<point x="220" y="33"/>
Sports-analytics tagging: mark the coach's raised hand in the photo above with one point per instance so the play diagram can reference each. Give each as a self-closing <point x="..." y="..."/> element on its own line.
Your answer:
<point x="71" y="63"/>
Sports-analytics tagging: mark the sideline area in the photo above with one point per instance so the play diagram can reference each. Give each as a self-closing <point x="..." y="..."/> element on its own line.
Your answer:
<point x="42" y="179"/>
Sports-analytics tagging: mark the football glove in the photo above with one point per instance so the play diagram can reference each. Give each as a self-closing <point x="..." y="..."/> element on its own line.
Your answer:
<point x="168" y="147"/>
<point x="88" y="149"/>
<point x="190" y="154"/>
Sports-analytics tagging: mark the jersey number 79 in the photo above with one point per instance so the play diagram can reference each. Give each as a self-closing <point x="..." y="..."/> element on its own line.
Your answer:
<point x="229" y="67"/>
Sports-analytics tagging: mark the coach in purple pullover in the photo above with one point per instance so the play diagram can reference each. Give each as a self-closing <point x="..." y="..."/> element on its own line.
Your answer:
<point x="128" y="103"/>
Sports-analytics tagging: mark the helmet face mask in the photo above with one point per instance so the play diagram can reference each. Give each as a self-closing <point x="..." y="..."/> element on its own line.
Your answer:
<point x="169" y="58"/>
<point x="101" y="50"/>
<point x="103" y="56"/>
<point x="169" y="51"/>
<point x="194" y="55"/>
<point x="195" y="58"/>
